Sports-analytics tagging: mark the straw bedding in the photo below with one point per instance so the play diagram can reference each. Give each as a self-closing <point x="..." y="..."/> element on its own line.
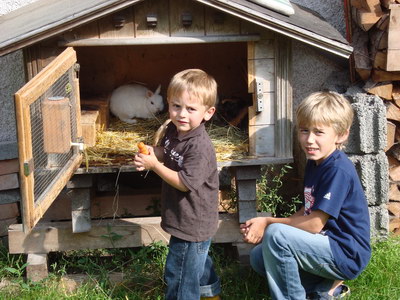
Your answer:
<point x="117" y="145"/>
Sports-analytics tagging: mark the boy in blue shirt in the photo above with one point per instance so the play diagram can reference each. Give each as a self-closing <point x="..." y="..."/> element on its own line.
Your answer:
<point x="309" y="254"/>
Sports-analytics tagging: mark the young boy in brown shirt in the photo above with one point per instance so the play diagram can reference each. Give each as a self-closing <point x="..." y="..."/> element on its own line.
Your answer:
<point x="189" y="203"/>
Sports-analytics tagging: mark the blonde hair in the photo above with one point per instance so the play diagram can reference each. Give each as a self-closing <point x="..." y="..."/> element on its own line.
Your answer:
<point x="325" y="108"/>
<point x="197" y="83"/>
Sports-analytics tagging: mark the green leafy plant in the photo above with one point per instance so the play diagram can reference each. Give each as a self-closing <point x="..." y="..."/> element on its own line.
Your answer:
<point x="111" y="235"/>
<point x="269" y="197"/>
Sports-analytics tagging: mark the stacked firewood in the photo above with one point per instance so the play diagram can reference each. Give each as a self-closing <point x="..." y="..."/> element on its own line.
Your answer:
<point x="375" y="36"/>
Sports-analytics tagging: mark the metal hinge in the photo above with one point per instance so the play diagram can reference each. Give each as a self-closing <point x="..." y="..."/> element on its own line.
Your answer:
<point x="77" y="68"/>
<point x="260" y="96"/>
<point x="28" y="167"/>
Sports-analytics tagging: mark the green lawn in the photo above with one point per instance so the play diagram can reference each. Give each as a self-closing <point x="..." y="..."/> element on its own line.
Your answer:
<point x="143" y="269"/>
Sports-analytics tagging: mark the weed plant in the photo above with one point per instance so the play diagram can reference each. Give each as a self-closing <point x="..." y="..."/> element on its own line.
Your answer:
<point x="269" y="192"/>
<point x="143" y="269"/>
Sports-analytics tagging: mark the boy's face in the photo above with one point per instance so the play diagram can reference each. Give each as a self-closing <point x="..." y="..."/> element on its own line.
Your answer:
<point x="188" y="113"/>
<point x="319" y="141"/>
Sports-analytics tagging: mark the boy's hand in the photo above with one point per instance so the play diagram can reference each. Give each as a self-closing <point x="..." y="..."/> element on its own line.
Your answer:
<point x="145" y="161"/>
<point x="253" y="230"/>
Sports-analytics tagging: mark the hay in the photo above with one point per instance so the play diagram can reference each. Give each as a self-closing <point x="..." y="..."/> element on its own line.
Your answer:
<point x="117" y="145"/>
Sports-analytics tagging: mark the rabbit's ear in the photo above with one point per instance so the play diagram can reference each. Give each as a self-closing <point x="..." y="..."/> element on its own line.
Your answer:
<point x="158" y="90"/>
<point x="149" y="94"/>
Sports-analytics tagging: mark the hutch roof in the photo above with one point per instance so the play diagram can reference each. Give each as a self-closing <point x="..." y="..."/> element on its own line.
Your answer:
<point x="46" y="18"/>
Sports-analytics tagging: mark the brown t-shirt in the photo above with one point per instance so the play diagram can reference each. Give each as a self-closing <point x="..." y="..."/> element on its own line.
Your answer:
<point x="192" y="215"/>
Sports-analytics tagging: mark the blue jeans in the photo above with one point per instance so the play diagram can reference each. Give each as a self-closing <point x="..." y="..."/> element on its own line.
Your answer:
<point x="189" y="271"/>
<point x="295" y="262"/>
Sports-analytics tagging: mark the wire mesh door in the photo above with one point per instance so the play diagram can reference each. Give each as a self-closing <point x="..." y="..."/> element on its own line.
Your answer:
<point x="48" y="121"/>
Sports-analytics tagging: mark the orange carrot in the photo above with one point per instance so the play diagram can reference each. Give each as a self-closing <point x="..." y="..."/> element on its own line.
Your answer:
<point x="142" y="148"/>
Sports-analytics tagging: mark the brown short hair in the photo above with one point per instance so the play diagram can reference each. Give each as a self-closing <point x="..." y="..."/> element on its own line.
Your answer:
<point x="197" y="83"/>
<point x="325" y="108"/>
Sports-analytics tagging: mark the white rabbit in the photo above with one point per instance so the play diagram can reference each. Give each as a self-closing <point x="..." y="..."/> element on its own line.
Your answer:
<point x="135" y="101"/>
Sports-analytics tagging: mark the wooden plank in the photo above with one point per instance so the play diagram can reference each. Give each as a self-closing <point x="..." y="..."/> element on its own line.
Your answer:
<point x="381" y="75"/>
<point x="264" y="139"/>
<point x="387" y="3"/>
<point x="25" y="156"/>
<point x="178" y="8"/>
<point x="49" y="75"/>
<point x="8" y="211"/>
<point x="383" y="23"/>
<point x="394" y="208"/>
<point x="88" y="124"/>
<point x="393" y="54"/>
<point x="392" y="112"/>
<point x="56" y="115"/>
<point x="364" y="18"/>
<point x="24" y="97"/>
<point x="117" y="25"/>
<point x="157" y="8"/>
<point x="250" y="66"/>
<point x="47" y="18"/>
<point x="379" y="60"/>
<point x="55" y="188"/>
<point x="378" y="40"/>
<point x="9" y="166"/>
<point x="220" y="23"/>
<point x="4" y="224"/>
<point x="391" y="134"/>
<point x="362" y="63"/>
<point x="9" y="181"/>
<point x="372" y="6"/>
<point x="160" y="40"/>
<point x="102" y="105"/>
<point x="394" y="192"/>
<point x="87" y="31"/>
<point x="131" y="232"/>
<point x="394" y="226"/>
<point x="381" y="89"/>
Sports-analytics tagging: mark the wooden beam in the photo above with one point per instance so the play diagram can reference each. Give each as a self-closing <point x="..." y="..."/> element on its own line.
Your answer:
<point x="393" y="61"/>
<point x="118" y="233"/>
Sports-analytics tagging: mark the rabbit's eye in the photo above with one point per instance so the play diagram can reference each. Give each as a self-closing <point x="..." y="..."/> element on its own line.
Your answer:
<point x="152" y="102"/>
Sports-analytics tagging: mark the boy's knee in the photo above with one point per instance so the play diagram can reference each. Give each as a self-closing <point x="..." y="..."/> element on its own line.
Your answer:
<point x="256" y="260"/>
<point x="275" y="234"/>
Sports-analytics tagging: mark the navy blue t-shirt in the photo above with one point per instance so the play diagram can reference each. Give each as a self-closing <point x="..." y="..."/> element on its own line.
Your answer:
<point x="334" y="188"/>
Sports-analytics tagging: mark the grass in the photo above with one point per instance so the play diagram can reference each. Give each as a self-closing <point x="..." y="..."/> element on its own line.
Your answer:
<point x="143" y="269"/>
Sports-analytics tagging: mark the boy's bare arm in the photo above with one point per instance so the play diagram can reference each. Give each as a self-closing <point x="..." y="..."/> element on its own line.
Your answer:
<point x="150" y="162"/>
<point x="253" y="229"/>
<point x="313" y="223"/>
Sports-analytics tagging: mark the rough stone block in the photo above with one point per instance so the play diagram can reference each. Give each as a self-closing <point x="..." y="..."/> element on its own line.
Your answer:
<point x="368" y="132"/>
<point x="81" y="221"/>
<point x="247" y="210"/>
<point x="379" y="217"/>
<point x="373" y="172"/>
<point x="246" y="189"/>
<point x="37" y="267"/>
<point x="248" y="172"/>
<point x="80" y="198"/>
<point x="80" y="181"/>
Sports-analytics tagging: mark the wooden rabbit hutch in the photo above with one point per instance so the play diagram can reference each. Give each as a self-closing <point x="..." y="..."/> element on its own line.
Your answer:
<point x="80" y="52"/>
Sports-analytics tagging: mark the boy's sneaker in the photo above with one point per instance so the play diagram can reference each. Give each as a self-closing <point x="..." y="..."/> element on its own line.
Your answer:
<point x="341" y="292"/>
